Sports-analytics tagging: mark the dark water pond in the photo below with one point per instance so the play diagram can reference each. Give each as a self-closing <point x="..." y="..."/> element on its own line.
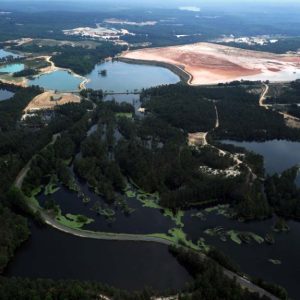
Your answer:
<point x="12" y="68"/>
<point x="253" y="258"/>
<point x="127" y="265"/>
<point x="279" y="155"/>
<point x="142" y="220"/>
<point x="5" y="95"/>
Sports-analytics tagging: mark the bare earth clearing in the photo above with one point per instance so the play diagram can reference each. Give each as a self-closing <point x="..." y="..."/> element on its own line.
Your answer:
<point x="208" y="63"/>
<point x="48" y="100"/>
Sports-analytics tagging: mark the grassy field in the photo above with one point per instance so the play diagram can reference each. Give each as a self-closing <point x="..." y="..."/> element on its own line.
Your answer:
<point x="73" y="221"/>
<point x="124" y="115"/>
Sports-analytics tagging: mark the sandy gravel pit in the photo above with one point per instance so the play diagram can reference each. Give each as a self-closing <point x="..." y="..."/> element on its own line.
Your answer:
<point x="208" y="63"/>
<point x="48" y="100"/>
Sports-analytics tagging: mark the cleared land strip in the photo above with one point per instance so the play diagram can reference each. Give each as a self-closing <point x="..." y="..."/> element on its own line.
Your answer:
<point x="49" y="100"/>
<point x="208" y="63"/>
<point x="200" y="139"/>
<point x="104" y="235"/>
<point x="292" y="121"/>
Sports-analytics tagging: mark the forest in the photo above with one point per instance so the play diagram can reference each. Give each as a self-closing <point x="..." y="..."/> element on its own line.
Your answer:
<point x="150" y="152"/>
<point x="13" y="232"/>
<point x="79" y="59"/>
<point x="153" y="153"/>
<point x="25" y="73"/>
<point x="236" y="104"/>
<point x="51" y="160"/>
<point x="283" y="45"/>
<point x="210" y="281"/>
<point x="182" y="107"/>
<point x="283" y="193"/>
<point x="285" y="98"/>
<point x="18" y="145"/>
<point x="38" y="24"/>
<point x="288" y="94"/>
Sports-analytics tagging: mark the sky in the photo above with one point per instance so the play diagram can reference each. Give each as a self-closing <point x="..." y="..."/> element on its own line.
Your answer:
<point x="172" y="2"/>
<point x="107" y="4"/>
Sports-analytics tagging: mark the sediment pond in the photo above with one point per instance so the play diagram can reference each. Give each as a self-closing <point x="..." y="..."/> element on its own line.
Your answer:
<point x="12" y="68"/>
<point x="61" y="80"/>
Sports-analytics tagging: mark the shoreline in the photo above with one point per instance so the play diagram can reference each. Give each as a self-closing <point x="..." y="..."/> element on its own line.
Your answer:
<point x="54" y="68"/>
<point x="184" y="76"/>
<point x="22" y="83"/>
<point x="48" y="70"/>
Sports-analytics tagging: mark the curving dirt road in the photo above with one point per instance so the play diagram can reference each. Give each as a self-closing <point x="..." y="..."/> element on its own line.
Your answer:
<point x="286" y="116"/>
<point x="263" y="97"/>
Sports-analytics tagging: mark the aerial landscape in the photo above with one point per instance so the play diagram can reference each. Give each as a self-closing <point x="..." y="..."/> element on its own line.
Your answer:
<point x="149" y="150"/>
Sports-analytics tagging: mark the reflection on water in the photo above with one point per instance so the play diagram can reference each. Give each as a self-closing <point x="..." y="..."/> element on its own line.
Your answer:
<point x="279" y="155"/>
<point x="142" y="220"/>
<point x="253" y="258"/>
<point x="121" y="77"/>
<point x="133" y="99"/>
<point x="127" y="265"/>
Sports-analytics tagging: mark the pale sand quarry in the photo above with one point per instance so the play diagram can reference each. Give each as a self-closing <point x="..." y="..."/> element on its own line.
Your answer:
<point x="208" y="63"/>
<point x="48" y="100"/>
<point x="197" y="139"/>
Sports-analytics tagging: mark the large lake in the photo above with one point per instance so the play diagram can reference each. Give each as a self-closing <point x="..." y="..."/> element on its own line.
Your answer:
<point x="123" y="77"/>
<point x="5" y="95"/>
<point x="127" y="265"/>
<point x="60" y="80"/>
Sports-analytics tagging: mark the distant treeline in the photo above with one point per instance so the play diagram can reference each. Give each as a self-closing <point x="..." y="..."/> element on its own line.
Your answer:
<point x="283" y="45"/>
